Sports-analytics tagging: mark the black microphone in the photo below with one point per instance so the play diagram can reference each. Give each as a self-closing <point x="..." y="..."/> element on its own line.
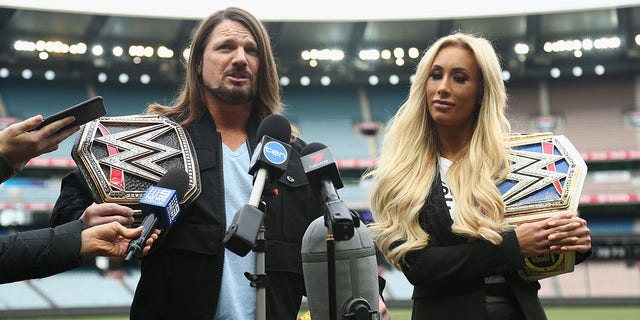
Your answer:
<point x="160" y="206"/>
<point x="322" y="172"/>
<point x="268" y="163"/>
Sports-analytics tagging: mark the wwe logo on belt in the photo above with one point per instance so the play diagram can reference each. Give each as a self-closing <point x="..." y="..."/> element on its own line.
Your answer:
<point x="135" y="151"/>
<point x="547" y="173"/>
<point x="534" y="171"/>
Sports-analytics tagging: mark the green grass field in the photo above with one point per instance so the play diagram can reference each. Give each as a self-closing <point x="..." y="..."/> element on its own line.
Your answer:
<point x="553" y="313"/>
<point x="563" y="313"/>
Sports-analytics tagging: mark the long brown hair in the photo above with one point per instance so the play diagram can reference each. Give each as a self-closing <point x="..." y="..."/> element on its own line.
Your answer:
<point x="189" y="105"/>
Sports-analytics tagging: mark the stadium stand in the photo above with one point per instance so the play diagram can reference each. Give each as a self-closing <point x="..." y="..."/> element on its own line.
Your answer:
<point x="595" y="279"/>
<point x="385" y="101"/>
<point x="523" y="107"/>
<point x="21" y="295"/>
<point x="83" y="288"/>
<point x="131" y="99"/>
<point x="27" y="98"/>
<point x="24" y="99"/>
<point x="130" y="279"/>
<point x="328" y="115"/>
<point x="613" y="225"/>
<point x="591" y="114"/>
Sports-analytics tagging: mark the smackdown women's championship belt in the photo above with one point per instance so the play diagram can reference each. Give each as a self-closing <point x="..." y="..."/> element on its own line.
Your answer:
<point x="547" y="174"/>
<point x="121" y="157"/>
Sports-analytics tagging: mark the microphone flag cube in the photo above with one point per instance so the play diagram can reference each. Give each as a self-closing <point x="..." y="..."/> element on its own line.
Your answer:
<point x="320" y="164"/>
<point x="163" y="202"/>
<point x="271" y="154"/>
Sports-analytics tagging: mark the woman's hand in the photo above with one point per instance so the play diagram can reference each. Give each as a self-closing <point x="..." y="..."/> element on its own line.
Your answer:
<point x="556" y="234"/>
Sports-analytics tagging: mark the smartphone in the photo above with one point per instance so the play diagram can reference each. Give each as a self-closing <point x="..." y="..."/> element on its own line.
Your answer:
<point x="84" y="112"/>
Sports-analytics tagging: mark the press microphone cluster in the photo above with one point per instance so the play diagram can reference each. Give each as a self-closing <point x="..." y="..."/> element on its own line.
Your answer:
<point x="160" y="206"/>
<point x="268" y="162"/>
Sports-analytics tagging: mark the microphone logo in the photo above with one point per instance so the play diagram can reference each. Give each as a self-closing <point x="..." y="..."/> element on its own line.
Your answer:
<point x="275" y="152"/>
<point x="157" y="197"/>
<point x="316" y="160"/>
<point x="316" y="157"/>
<point x="173" y="209"/>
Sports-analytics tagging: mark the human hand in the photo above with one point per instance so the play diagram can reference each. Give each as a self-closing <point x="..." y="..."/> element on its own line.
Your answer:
<point x="112" y="240"/>
<point x="18" y="143"/>
<point x="97" y="214"/>
<point x="535" y="238"/>
<point x="571" y="236"/>
<point x="384" y="313"/>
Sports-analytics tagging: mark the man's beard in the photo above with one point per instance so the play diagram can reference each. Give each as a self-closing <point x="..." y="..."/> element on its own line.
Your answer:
<point x="231" y="96"/>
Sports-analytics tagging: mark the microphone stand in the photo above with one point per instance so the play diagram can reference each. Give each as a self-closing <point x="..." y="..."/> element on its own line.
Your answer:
<point x="261" y="287"/>
<point x="331" y="272"/>
<point x="259" y="280"/>
<point x="359" y="308"/>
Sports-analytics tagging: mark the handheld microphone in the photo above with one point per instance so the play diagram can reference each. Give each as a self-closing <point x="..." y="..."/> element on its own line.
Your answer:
<point x="160" y="206"/>
<point x="268" y="163"/>
<point x="322" y="172"/>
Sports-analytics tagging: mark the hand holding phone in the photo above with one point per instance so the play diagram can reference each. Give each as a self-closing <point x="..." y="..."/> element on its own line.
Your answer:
<point x="83" y="112"/>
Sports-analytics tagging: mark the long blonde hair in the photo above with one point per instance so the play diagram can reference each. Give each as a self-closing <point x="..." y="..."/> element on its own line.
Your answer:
<point x="407" y="166"/>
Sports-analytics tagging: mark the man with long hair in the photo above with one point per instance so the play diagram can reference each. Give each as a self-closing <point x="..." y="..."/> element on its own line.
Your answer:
<point x="231" y="85"/>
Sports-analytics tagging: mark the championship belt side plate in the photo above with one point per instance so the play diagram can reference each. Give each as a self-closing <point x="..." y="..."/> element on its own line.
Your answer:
<point x="546" y="179"/>
<point x="121" y="157"/>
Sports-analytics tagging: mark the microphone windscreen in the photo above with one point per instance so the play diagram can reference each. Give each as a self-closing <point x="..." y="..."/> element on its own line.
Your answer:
<point x="312" y="147"/>
<point x="175" y="179"/>
<point x="356" y="271"/>
<point x="275" y="126"/>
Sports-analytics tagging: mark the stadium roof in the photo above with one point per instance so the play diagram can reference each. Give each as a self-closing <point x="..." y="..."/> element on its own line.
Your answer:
<point x="573" y="29"/>
<point x="328" y="10"/>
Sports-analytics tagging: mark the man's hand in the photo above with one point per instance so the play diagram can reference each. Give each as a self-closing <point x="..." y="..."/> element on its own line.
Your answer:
<point x="18" y="143"/>
<point x="97" y="214"/>
<point x="112" y="240"/>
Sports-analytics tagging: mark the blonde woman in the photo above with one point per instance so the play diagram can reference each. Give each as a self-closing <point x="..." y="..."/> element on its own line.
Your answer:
<point x="438" y="213"/>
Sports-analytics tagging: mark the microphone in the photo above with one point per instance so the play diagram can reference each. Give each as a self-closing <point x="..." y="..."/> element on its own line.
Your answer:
<point x="160" y="206"/>
<point x="322" y="172"/>
<point x="356" y="270"/>
<point x="268" y="163"/>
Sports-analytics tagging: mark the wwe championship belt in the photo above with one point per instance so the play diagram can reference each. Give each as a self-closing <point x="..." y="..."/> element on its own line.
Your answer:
<point x="121" y="157"/>
<point x="546" y="178"/>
